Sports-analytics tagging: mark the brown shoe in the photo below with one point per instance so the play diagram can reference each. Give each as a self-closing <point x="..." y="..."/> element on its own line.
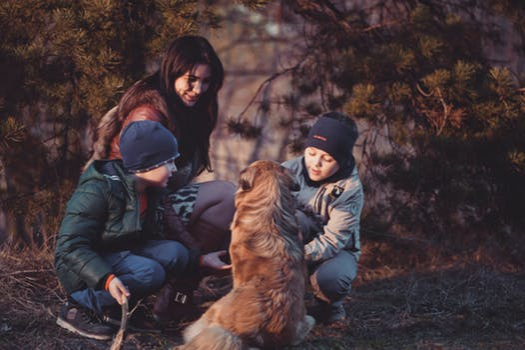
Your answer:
<point x="172" y="304"/>
<point x="327" y="314"/>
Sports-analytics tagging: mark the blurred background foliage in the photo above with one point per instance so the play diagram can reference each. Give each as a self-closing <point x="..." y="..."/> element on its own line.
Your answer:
<point x="64" y="63"/>
<point x="436" y="88"/>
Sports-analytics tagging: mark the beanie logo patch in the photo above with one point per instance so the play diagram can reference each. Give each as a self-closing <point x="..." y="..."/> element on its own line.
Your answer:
<point x="319" y="137"/>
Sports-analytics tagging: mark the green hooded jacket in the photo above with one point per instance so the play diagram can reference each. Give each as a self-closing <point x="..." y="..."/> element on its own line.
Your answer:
<point x="102" y="216"/>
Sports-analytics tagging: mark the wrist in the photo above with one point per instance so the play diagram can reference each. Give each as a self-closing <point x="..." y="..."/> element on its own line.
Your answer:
<point x="108" y="281"/>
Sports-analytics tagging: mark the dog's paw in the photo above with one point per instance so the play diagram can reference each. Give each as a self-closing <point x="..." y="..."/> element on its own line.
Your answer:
<point x="309" y="322"/>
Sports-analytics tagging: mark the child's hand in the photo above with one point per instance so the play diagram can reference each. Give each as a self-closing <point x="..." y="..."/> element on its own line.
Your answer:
<point x="118" y="290"/>
<point x="214" y="261"/>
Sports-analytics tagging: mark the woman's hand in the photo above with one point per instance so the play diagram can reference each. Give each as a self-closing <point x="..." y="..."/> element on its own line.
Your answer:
<point x="118" y="290"/>
<point x="213" y="260"/>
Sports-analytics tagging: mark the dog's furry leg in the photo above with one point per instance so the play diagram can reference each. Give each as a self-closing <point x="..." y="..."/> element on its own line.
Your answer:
<point x="303" y="328"/>
<point x="195" y="328"/>
<point x="214" y="338"/>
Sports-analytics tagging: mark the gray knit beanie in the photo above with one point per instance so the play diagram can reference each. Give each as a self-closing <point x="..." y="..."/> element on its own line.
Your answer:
<point x="146" y="145"/>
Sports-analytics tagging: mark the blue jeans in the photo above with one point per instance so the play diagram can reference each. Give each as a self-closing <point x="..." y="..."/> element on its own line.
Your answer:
<point x="143" y="271"/>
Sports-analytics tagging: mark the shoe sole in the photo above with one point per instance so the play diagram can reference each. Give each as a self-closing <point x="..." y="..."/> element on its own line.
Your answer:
<point x="66" y="325"/>
<point x="334" y="320"/>
<point x="131" y="328"/>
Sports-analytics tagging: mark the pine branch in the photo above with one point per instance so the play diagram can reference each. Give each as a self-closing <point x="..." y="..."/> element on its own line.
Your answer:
<point x="322" y="12"/>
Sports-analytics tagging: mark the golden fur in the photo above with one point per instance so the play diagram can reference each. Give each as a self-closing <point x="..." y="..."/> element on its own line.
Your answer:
<point x="265" y="308"/>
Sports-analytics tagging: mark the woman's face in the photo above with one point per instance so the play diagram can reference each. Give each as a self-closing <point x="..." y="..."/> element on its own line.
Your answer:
<point x="319" y="164"/>
<point x="192" y="84"/>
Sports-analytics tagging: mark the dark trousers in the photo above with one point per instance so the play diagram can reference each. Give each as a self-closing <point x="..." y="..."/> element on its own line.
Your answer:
<point x="331" y="280"/>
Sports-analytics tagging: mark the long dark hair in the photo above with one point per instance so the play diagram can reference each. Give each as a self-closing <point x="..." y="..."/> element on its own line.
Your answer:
<point x="191" y="125"/>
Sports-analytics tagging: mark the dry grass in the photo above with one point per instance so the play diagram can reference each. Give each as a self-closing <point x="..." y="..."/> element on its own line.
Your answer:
<point x="399" y="302"/>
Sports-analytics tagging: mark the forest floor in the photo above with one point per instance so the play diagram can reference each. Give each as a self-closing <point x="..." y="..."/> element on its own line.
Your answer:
<point x="453" y="303"/>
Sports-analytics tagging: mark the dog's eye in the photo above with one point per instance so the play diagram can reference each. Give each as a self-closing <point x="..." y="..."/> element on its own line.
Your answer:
<point x="245" y="185"/>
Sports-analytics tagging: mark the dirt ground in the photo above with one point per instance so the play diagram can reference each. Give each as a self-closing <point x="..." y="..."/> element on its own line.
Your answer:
<point x="459" y="305"/>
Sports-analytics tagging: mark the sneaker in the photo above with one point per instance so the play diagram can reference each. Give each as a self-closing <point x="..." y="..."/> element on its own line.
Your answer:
<point x="84" y="322"/>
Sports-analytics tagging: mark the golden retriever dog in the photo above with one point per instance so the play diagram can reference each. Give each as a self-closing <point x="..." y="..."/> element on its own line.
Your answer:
<point x="265" y="308"/>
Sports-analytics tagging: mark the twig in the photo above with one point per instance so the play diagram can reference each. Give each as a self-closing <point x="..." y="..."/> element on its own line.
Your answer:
<point x="117" y="342"/>
<point x="420" y="89"/>
<point x="24" y="272"/>
<point x="263" y="84"/>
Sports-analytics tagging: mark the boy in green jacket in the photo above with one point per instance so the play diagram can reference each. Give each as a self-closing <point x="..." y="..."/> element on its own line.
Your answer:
<point x="109" y="246"/>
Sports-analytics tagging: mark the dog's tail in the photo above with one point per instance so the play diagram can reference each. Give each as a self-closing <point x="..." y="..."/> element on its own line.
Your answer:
<point x="215" y="338"/>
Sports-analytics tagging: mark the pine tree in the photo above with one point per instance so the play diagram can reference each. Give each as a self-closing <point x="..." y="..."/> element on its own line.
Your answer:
<point x="443" y="147"/>
<point x="65" y="63"/>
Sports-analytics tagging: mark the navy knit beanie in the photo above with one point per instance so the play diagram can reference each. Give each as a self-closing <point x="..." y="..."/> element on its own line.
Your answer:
<point x="334" y="136"/>
<point x="146" y="145"/>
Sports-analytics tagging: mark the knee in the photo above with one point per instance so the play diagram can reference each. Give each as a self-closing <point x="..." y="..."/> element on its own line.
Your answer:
<point x="216" y="202"/>
<point x="226" y="187"/>
<point x="151" y="275"/>
<point x="179" y="257"/>
<point x="226" y="192"/>
<point x="331" y="285"/>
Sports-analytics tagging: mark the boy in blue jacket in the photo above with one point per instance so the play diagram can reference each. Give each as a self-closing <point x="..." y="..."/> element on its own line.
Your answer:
<point x="330" y="201"/>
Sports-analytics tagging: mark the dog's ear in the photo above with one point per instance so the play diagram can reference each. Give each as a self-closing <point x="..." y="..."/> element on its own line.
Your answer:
<point x="245" y="185"/>
<point x="294" y="182"/>
<point x="246" y="179"/>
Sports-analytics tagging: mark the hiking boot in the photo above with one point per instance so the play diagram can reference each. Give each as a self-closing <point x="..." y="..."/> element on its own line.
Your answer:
<point x="328" y="313"/>
<point x="335" y="314"/>
<point x="84" y="322"/>
<point x="172" y="304"/>
<point x="138" y="321"/>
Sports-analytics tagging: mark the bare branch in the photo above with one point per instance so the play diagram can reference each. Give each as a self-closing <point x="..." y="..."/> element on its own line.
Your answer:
<point x="263" y="84"/>
<point x="117" y="342"/>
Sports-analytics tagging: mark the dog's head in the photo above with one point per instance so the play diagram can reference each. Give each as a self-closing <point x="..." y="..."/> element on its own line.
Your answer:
<point x="264" y="173"/>
<point x="265" y="190"/>
<point x="265" y="207"/>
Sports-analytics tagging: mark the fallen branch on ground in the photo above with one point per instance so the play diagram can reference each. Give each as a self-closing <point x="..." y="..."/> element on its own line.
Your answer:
<point x="117" y="342"/>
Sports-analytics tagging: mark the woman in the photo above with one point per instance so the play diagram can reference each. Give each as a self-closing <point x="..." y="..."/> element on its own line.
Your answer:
<point x="181" y="95"/>
<point x="331" y="200"/>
